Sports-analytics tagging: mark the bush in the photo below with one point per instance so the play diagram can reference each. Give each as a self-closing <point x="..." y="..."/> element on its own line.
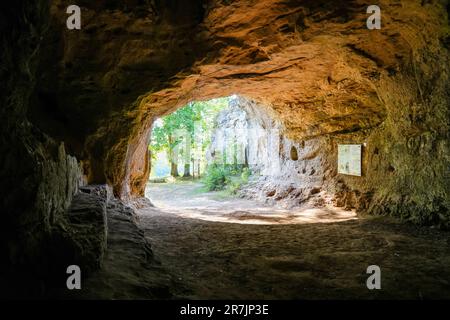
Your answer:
<point x="216" y="177"/>
<point x="245" y="175"/>
<point x="219" y="177"/>
<point x="233" y="187"/>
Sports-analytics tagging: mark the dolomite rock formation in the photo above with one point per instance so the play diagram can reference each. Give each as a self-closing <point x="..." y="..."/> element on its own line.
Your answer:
<point x="285" y="172"/>
<point x="77" y="105"/>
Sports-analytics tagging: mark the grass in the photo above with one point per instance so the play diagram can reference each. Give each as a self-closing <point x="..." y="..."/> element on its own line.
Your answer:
<point x="224" y="180"/>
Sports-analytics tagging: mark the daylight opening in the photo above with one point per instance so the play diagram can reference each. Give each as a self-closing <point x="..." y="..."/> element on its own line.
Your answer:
<point x="227" y="160"/>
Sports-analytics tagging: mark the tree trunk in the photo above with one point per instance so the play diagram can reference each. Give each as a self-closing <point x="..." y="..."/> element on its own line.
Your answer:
<point x="187" y="156"/>
<point x="173" y="159"/>
<point x="174" y="169"/>
<point x="187" y="170"/>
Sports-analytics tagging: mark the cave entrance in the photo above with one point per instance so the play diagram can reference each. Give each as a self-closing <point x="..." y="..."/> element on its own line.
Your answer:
<point x="227" y="160"/>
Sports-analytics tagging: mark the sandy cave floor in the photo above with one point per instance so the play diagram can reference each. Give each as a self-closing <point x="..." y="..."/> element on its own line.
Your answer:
<point x="216" y="247"/>
<point x="189" y="200"/>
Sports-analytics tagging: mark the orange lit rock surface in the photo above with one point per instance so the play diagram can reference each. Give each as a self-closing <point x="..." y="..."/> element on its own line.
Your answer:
<point x="323" y="74"/>
<point x="86" y="99"/>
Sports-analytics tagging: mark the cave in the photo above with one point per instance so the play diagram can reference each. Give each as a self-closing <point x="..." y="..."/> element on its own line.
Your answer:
<point x="362" y="121"/>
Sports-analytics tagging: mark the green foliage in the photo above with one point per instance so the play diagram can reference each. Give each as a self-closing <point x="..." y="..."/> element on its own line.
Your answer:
<point x="234" y="186"/>
<point x="229" y="177"/>
<point x="192" y="119"/>
<point x="236" y="182"/>
<point x="245" y="175"/>
<point x="164" y="134"/>
<point x="216" y="177"/>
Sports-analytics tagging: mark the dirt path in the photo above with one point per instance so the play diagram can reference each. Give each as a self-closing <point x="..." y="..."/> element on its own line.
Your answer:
<point x="189" y="200"/>
<point x="278" y="259"/>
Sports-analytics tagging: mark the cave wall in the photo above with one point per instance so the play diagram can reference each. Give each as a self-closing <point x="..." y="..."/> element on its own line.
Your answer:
<point x="77" y="105"/>
<point x="327" y="90"/>
<point x="134" y="61"/>
<point x="99" y="88"/>
<point x="92" y="81"/>
<point x="38" y="177"/>
<point x="404" y="159"/>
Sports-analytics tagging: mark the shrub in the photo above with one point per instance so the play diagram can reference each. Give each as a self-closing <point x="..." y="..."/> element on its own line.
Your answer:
<point x="234" y="186"/>
<point x="245" y="175"/>
<point x="216" y="177"/>
<point x="220" y="177"/>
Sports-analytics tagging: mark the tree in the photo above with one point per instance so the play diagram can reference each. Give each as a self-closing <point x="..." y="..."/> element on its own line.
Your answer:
<point x="164" y="138"/>
<point x="178" y="134"/>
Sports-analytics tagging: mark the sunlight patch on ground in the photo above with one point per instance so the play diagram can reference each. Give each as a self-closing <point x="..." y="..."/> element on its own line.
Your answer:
<point x="268" y="216"/>
<point x="183" y="201"/>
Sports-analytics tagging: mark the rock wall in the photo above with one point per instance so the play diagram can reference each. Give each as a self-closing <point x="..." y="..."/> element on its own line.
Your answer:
<point x="246" y="134"/>
<point x="285" y="172"/>
<point x="50" y="218"/>
<point x="314" y="63"/>
<point x="77" y="105"/>
<point x="92" y="96"/>
<point x="38" y="177"/>
<point x="293" y="172"/>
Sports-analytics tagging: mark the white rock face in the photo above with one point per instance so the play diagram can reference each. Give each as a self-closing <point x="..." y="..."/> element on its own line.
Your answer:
<point x="246" y="135"/>
<point x="285" y="172"/>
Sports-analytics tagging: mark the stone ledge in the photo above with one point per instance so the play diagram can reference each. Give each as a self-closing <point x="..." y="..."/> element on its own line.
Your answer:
<point x="88" y="224"/>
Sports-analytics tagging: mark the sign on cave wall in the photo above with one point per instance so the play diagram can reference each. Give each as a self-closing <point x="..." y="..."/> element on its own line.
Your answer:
<point x="349" y="159"/>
